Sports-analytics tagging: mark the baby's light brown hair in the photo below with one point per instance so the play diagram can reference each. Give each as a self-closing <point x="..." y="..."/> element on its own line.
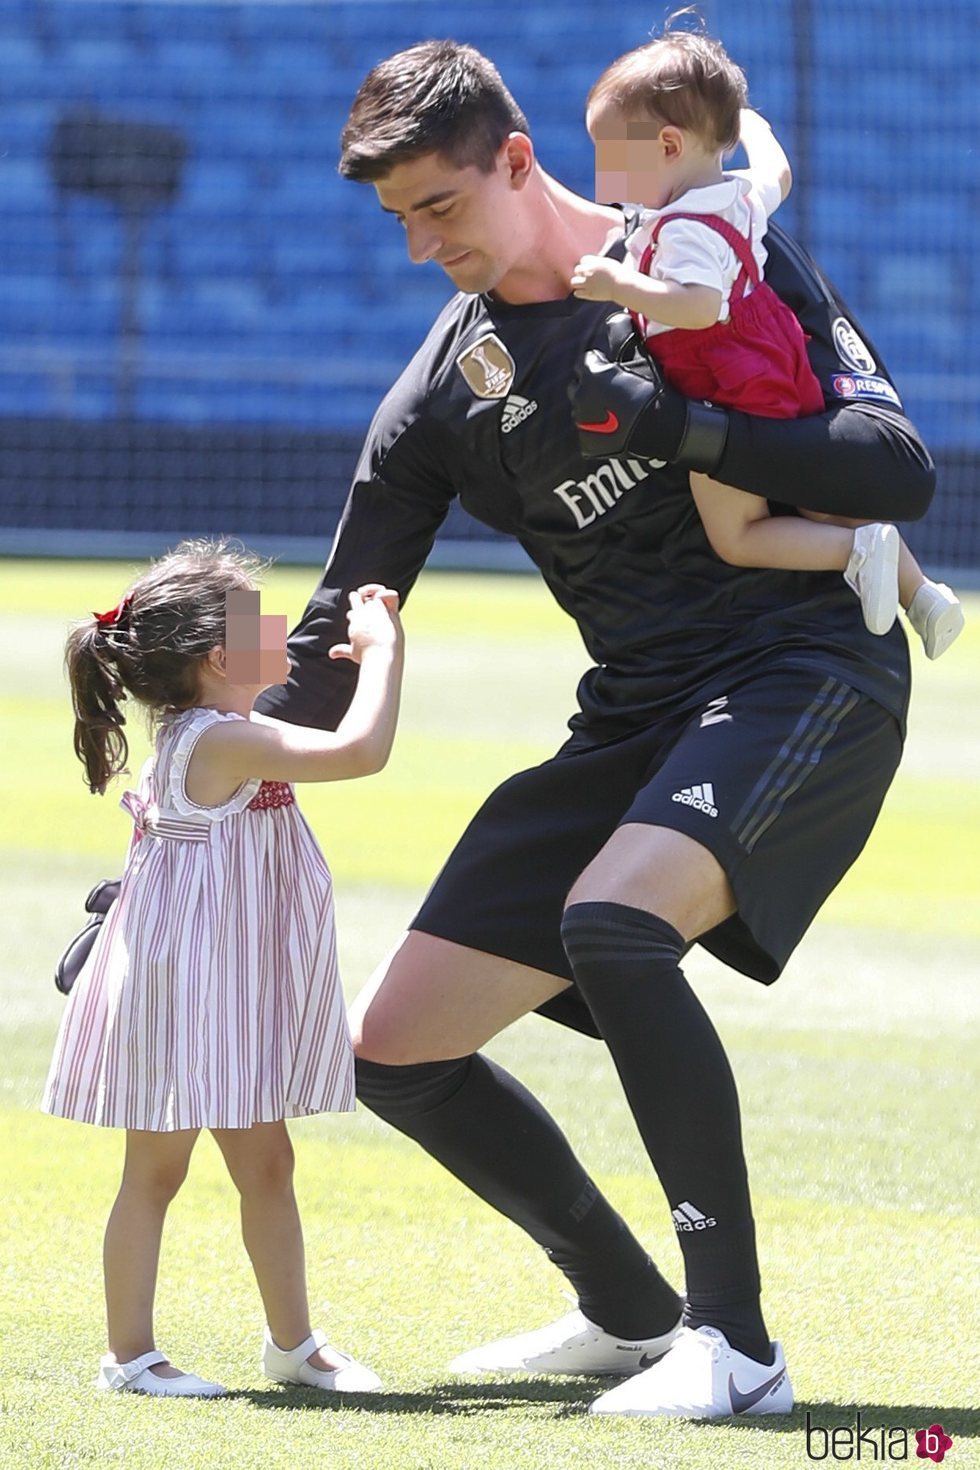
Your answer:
<point x="684" y="78"/>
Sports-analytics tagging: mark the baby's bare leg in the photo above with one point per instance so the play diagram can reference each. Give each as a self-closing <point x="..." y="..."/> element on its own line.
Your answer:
<point x="910" y="575"/>
<point x="742" y="532"/>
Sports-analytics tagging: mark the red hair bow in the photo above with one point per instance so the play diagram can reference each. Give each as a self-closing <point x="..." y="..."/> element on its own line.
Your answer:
<point x="111" y="618"/>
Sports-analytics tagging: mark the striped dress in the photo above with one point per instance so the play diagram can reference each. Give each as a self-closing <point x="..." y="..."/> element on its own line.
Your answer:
<point x="211" y="998"/>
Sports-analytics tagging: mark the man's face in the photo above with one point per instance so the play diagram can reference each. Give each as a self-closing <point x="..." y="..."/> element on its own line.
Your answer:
<point x="468" y="222"/>
<point x="630" y="159"/>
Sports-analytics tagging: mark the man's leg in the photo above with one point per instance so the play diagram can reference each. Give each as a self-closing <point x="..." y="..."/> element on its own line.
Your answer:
<point x="777" y="787"/>
<point x="628" y="920"/>
<point x="416" y="1028"/>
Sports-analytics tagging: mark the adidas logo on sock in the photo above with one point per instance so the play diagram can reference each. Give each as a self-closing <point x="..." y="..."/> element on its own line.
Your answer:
<point x="516" y="410"/>
<point x="687" y="1217"/>
<point x="702" y="798"/>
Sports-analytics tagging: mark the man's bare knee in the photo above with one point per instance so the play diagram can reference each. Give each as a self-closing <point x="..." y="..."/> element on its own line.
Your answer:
<point x="661" y="871"/>
<point x="432" y="1000"/>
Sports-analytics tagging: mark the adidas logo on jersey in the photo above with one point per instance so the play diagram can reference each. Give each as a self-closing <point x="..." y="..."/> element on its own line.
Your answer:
<point x="516" y="410"/>
<point x="687" y="1217"/>
<point x="702" y="798"/>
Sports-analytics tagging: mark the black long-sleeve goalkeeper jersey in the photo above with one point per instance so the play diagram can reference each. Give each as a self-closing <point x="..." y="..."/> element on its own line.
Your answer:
<point x="481" y="412"/>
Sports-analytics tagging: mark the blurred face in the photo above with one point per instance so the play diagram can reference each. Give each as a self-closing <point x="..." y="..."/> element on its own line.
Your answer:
<point x="470" y="223"/>
<point x="633" y="157"/>
<point x="255" y="643"/>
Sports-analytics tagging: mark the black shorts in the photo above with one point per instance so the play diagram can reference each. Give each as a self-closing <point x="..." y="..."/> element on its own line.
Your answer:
<point x="781" y="780"/>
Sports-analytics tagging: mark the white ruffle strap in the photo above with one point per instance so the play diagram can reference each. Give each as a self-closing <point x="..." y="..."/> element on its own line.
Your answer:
<point x="197" y="721"/>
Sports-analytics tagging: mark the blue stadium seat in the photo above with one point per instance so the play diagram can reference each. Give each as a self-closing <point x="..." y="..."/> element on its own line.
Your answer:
<point x="49" y="309"/>
<point x="29" y="246"/>
<point x="26" y="185"/>
<point x="905" y="281"/>
<point x="20" y="50"/>
<point x="87" y="54"/>
<point x="23" y="392"/>
<point x="213" y="250"/>
<point x="215" y="186"/>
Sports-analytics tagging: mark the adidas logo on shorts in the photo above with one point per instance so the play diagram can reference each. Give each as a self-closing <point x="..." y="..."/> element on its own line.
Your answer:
<point x="702" y="798"/>
<point x="516" y="410"/>
<point x="688" y="1217"/>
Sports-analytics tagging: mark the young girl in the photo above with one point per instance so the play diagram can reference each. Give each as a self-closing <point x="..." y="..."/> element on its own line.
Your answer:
<point x="662" y="118"/>
<point x="211" y="998"/>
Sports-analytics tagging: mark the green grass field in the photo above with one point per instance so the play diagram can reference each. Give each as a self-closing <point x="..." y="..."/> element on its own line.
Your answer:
<point x="857" y="1073"/>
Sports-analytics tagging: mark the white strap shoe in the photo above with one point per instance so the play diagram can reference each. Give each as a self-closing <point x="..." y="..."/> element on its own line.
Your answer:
<point x="137" y="1376"/>
<point x="936" y="614"/>
<point x="292" y="1367"/>
<point x="872" y="572"/>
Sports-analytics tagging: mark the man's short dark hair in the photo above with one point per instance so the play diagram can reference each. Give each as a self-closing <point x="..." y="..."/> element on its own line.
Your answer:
<point x="438" y="97"/>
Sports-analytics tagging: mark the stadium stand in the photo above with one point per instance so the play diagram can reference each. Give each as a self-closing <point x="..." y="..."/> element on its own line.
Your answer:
<point x="275" y="304"/>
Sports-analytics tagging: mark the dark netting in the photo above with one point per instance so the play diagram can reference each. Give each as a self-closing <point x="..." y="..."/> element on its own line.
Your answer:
<point x="199" y="316"/>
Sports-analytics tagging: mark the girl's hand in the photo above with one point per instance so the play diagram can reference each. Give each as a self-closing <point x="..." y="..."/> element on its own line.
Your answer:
<point x="388" y="595"/>
<point x="372" y="622"/>
<point x="596" y="278"/>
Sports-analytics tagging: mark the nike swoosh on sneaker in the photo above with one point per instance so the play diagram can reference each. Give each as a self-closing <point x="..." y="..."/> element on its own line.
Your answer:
<point x="743" y="1401"/>
<point x="609" y="425"/>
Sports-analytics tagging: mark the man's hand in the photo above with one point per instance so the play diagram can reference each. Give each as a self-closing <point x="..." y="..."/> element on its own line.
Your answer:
<point x="621" y="405"/>
<point x="597" y="278"/>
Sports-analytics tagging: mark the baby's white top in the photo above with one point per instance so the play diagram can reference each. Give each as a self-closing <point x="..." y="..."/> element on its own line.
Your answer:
<point x="696" y="255"/>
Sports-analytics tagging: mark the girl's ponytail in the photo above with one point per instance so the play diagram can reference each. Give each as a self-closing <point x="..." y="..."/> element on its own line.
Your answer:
<point x="96" y="691"/>
<point x="151" y="647"/>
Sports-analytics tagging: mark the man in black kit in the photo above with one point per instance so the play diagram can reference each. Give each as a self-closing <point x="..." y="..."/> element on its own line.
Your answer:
<point x="729" y="756"/>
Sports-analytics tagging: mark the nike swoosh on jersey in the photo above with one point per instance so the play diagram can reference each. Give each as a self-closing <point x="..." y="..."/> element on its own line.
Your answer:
<point x="609" y="425"/>
<point x="743" y="1401"/>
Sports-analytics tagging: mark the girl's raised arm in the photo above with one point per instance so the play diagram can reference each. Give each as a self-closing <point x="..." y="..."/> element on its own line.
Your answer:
<point x="234" y="751"/>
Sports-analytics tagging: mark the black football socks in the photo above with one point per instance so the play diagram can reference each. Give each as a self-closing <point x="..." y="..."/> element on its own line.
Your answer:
<point x="682" y="1093"/>
<point x="488" y="1130"/>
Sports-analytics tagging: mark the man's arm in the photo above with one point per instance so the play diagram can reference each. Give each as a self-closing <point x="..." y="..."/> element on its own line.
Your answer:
<point x="861" y="458"/>
<point x="397" y="504"/>
<point x="849" y="461"/>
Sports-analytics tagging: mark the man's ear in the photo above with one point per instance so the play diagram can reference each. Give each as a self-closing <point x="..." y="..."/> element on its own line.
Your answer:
<point x="518" y="157"/>
<point x="216" y="660"/>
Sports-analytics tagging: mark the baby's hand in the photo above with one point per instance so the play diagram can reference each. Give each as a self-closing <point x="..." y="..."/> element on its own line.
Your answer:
<point x="596" y="278"/>
<point x="372" y="622"/>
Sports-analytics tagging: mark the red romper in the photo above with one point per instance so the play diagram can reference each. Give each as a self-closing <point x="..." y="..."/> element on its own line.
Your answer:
<point x="756" y="360"/>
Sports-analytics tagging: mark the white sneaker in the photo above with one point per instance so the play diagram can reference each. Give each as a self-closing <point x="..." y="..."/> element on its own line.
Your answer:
<point x="571" y="1345"/>
<point x="872" y="572"/>
<point x="292" y="1367"/>
<point x="936" y="614"/>
<point x="137" y="1376"/>
<point x="703" y="1378"/>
